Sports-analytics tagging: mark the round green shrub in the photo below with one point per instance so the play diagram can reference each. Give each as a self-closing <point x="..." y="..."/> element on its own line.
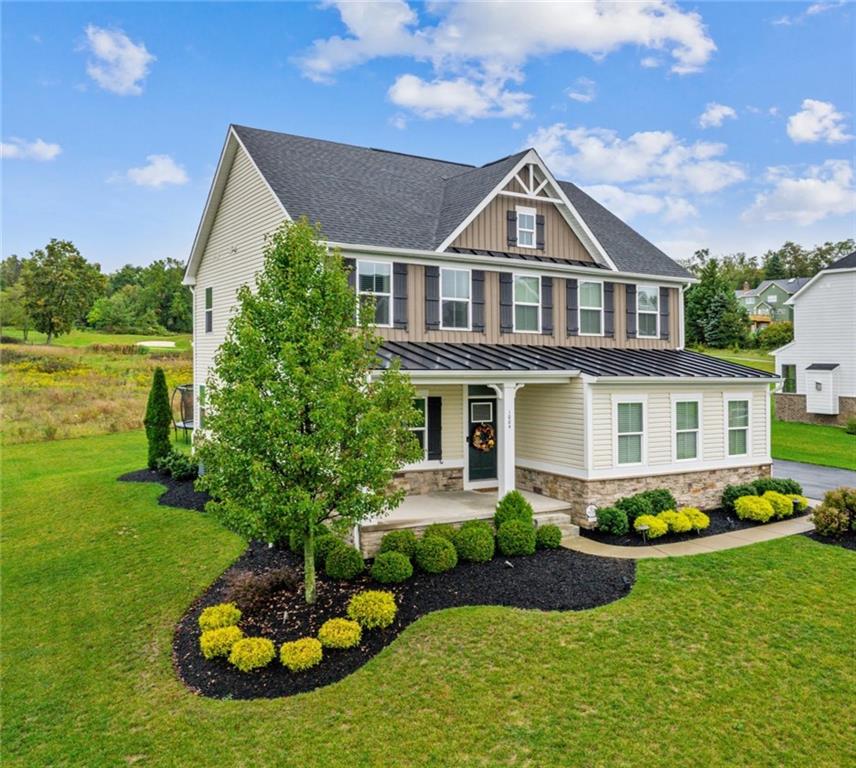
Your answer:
<point x="435" y="554"/>
<point x="219" y="642"/>
<point x="677" y="522"/>
<point x="782" y="505"/>
<point x="698" y="519"/>
<point x="753" y="508"/>
<point x="344" y="563"/>
<point x="301" y="654"/>
<point x="217" y="616"/>
<point x="800" y="501"/>
<point x="391" y="568"/>
<point x="403" y="541"/>
<point x="734" y="492"/>
<point x="778" y="484"/>
<point x="612" y="520"/>
<point x="340" y="633"/>
<point x="252" y="653"/>
<point x="634" y="506"/>
<point x="661" y="499"/>
<point x="373" y="609"/>
<point x="516" y="537"/>
<point x="443" y="530"/>
<point x="830" y="520"/>
<point x="548" y="537"/>
<point x="324" y="545"/>
<point x="512" y="506"/>
<point x="474" y="541"/>
<point x="656" y="526"/>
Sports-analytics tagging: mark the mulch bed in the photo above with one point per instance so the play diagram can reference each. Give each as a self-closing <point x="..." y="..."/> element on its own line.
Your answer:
<point x="179" y="493"/>
<point x="848" y="540"/>
<point x="549" y="580"/>
<point x="720" y="522"/>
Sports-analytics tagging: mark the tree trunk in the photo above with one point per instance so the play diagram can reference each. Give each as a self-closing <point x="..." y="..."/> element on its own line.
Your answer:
<point x="309" y="566"/>
<point x="50" y="336"/>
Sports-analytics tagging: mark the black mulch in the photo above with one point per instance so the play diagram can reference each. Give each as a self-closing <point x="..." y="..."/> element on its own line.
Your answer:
<point x="720" y="522"/>
<point x="549" y="580"/>
<point x="179" y="493"/>
<point x="847" y="540"/>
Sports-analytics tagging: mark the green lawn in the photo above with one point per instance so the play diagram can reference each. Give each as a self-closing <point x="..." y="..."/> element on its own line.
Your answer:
<point x="84" y="338"/>
<point x="753" y="358"/>
<point x="813" y="443"/>
<point x="743" y="658"/>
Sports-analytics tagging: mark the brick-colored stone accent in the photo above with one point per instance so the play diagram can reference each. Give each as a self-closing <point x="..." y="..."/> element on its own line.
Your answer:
<point x="427" y="480"/>
<point x="791" y="407"/>
<point x="692" y="489"/>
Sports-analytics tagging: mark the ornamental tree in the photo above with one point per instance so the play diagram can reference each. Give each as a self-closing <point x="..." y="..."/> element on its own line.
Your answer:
<point x="301" y="429"/>
<point x="158" y="419"/>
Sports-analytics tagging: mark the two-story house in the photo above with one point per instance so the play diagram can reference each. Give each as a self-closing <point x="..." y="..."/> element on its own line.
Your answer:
<point x="818" y="368"/>
<point x="521" y="308"/>
<point x="769" y="301"/>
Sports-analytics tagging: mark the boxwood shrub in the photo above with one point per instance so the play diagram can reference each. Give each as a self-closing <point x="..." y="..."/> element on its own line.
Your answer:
<point x="677" y="522"/>
<point x="217" y="616"/>
<point x="436" y="554"/>
<point x="516" y="537"/>
<point x="474" y="541"/>
<point x="661" y="499"/>
<point x="325" y="544"/>
<point x="391" y="568"/>
<point x="219" y="642"/>
<point x="252" y="653"/>
<point x="656" y="526"/>
<point x="753" y="508"/>
<point x="634" y="506"/>
<point x="548" y="537"/>
<point x="403" y="541"/>
<point x="344" y="563"/>
<point x="340" y="633"/>
<point x="612" y="520"/>
<point x="734" y="492"/>
<point x="777" y="484"/>
<point x="301" y="654"/>
<point x="444" y="530"/>
<point x="782" y="505"/>
<point x="373" y="609"/>
<point x="512" y="506"/>
<point x="698" y="519"/>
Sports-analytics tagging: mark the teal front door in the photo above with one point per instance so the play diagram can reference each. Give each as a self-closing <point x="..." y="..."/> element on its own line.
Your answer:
<point x="482" y="423"/>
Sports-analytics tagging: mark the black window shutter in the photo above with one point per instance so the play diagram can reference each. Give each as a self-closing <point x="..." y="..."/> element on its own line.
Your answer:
<point x="609" y="310"/>
<point x="399" y="295"/>
<point x="478" y="300"/>
<point x="547" y="306"/>
<point x="539" y="231"/>
<point x="631" y="311"/>
<point x="511" y="227"/>
<point x="506" y="302"/>
<point x="351" y="266"/>
<point x="572" y="304"/>
<point x="435" y="428"/>
<point x="432" y="298"/>
<point x="664" y="313"/>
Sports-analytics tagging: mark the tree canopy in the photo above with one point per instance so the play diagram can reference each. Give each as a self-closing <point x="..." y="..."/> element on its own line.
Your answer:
<point x="714" y="317"/>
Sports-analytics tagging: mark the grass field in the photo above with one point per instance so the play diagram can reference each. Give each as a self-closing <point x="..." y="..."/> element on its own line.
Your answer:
<point x="85" y="338"/>
<point x="814" y="444"/>
<point x="742" y="658"/>
<point x="753" y="358"/>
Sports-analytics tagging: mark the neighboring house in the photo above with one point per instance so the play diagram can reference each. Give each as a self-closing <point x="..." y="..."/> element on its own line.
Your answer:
<point x="818" y="368"/>
<point x="516" y="303"/>
<point x="769" y="301"/>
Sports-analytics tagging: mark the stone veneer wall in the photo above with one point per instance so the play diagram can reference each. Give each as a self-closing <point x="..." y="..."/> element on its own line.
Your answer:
<point x="427" y="480"/>
<point x="791" y="407"/>
<point x="692" y="489"/>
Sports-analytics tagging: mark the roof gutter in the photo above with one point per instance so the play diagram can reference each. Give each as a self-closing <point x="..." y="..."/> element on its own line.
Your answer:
<point x="457" y="376"/>
<point x="768" y="379"/>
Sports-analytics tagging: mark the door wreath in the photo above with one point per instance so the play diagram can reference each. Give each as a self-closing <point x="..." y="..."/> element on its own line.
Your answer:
<point x="483" y="438"/>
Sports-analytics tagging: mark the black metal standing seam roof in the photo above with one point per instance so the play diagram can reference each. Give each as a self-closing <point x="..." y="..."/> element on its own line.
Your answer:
<point x="527" y="257"/>
<point x="822" y="367"/>
<point x="594" y="361"/>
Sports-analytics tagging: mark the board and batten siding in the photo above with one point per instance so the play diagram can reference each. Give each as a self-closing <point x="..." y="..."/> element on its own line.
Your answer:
<point x="551" y="424"/>
<point x="232" y="257"/>
<point x="658" y="422"/>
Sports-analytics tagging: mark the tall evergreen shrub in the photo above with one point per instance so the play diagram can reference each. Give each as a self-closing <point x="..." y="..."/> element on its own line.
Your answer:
<point x="158" y="419"/>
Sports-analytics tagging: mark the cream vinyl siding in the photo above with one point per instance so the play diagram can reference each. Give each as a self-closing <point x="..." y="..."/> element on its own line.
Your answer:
<point x="550" y="424"/>
<point x="233" y="255"/>
<point x="659" y="427"/>
<point x="452" y="436"/>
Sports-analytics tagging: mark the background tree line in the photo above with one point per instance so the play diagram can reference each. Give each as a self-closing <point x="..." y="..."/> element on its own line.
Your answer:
<point x="56" y="289"/>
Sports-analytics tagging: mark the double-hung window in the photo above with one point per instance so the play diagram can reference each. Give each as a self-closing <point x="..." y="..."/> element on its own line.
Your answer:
<point x="687" y="420"/>
<point x="737" y="416"/>
<point x="591" y="308"/>
<point x="455" y="299"/>
<point x="525" y="227"/>
<point x="209" y="310"/>
<point x="630" y="429"/>
<point x="527" y="303"/>
<point x="789" y="374"/>
<point x="421" y="427"/>
<point x="374" y="283"/>
<point x="647" y="310"/>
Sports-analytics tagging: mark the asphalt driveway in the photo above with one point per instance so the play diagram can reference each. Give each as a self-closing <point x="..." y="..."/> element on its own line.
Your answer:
<point x="814" y="479"/>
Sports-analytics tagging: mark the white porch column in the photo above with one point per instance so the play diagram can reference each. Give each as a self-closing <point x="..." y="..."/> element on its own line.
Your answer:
<point x="505" y="397"/>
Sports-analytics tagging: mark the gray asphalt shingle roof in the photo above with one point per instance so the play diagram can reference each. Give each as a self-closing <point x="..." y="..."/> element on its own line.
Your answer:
<point x="369" y="196"/>
<point x="847" y="262"/>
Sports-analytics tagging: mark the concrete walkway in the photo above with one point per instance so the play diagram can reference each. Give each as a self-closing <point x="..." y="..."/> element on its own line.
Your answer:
<point x="815" y="479"/>
<point x="700" y="546"/>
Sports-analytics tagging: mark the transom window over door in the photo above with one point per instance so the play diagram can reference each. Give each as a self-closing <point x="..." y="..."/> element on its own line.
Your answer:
<point x="738" y="427"/>
<point x="527" y="303"/>
<point x="630" y="432"/>
<point x="526" y="227"/>
<point x="686" y="429"/>
<point x="591" y="308"/>
<point x="374" y="281"/>
<point x="455" y="299"/>
<point x="647" y="309"/>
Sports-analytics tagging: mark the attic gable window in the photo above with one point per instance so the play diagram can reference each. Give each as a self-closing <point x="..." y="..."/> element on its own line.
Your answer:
<point x="525" y="227"/>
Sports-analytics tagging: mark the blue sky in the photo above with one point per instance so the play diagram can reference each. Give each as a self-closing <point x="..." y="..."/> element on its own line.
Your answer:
<point x="727" y="125"/>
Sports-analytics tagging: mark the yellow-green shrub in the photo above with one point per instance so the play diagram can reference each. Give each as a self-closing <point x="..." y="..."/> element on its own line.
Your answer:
<point x="373" y="608"/>
<point x="656" y="526"/>
<point x="252" y="653"/>
<point x="301" y="654"/>
<point x="218" y="642"/>
<point x="340" y="633"/>
<point x="218" y="616"/>
<point x="677" y="522"/>
<point x="698" y="519"/>
<point x="802" y="501"/>
<point x="753" y="508"/>
<point x="781" y="504"/>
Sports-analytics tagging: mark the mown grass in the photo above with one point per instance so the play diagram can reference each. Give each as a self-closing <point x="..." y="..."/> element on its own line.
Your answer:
<point x="85" y="338"/>
<point x="752" y="358"/>
<point x="742" y="658"/>
<point x="814" y="444"/>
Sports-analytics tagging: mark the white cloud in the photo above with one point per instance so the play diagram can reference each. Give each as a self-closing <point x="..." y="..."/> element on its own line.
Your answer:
<point x="715" y="114"/>
<point x="629" y="205"/>
<point x="650" y="62"/>
<point x="398" y="121"/>
<point x="460" y="98"/>
<point x="582" y="90"/>
<point x="20" y="149"/>
<point x="818" y="121"/>
<point x="816" y="8"/>
<point x="823" y="190"/>
<point x="813" y="10"/>
<point x="118" y="64"/>
<point x="483" y="47"/>
<point x="159" y="171"/>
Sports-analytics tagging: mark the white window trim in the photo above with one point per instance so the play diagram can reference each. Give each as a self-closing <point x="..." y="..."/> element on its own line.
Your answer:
<point x="208" y="312"/>
<point x="688" y="398"/>
<point x="514" y="302"/>
<point x="620" y="400"/>
<point x="476" y="401"/>
<point x="469" y="300"/>
<point x="534" y="214"/>
<point x="656" y="314"/>
<point x="782" y="367"/>
<point x="580" y="307"/>
<point x="422" y="395"/>
<point x="726" y="399"/>
<point x="360" y="262"/>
